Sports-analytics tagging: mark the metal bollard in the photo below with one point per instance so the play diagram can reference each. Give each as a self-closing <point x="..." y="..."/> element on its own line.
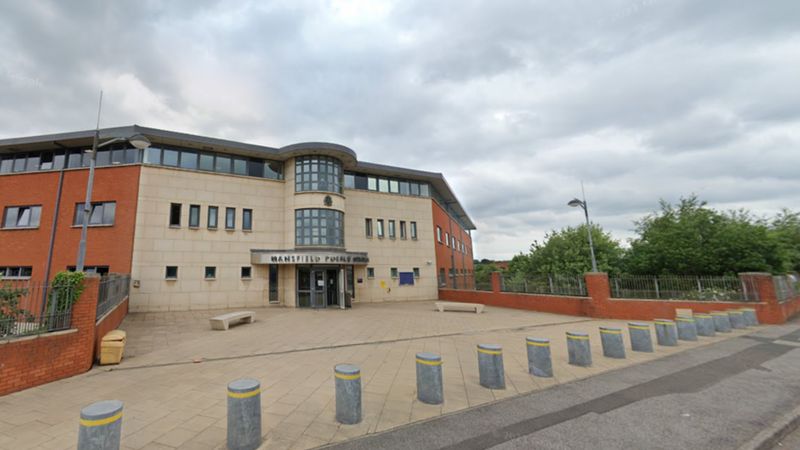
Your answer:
<point x="540" y="363"/>
<point x="722" y="321"/>
<point x="750" y="317"/>
<point x="100" y="426"/>
<point x="641" y="341"/>
<point x="705" y="324"/>
<point x="348" y="393"/>
<point x="737" y="319"/>
<point x="666" y="333"/>
<point x="244" y="414"/>
<point x="429" y="378"/>
<point x="578" y="348"/>
<point x="687" y="328"/>
<point x="613" y="346"/>
<point x="490" y="366"/>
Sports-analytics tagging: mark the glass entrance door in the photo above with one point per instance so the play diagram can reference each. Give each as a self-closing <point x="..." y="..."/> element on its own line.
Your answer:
<point x="318" y="290"/>
<point x="318" y="287"/>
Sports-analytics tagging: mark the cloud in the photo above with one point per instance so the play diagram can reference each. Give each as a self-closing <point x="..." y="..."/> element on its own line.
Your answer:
<point x="516" y="102"/>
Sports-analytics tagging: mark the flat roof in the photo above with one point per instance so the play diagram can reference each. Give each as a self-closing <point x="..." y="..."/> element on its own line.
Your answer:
<point x="345" y="154"/>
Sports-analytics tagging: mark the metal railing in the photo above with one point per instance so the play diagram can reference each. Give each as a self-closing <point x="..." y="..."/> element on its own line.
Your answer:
<point x="29" y="308"/>
<point x="573" y="285"/>
<point x="787" y="287"/>
<point x="114" y="288"/>
<point x="684" y="287"/>
<point x="483" y="286"/>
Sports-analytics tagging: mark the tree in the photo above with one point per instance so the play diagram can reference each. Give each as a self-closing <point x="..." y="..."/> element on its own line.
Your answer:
<point x="483" y="271"/>
<point x="566" y="252"/>
<point x="692" y="239"/>
<point x="785" y="227"/>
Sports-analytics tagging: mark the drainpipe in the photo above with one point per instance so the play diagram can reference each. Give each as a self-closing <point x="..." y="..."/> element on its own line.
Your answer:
<point x="53" y="233"/>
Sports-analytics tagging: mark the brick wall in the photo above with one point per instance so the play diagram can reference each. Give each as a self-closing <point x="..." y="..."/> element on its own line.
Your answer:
<point x="600" y="304"/>
<point x="31" y="361"/>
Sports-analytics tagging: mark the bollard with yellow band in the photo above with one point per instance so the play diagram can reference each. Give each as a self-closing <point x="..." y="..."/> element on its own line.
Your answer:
<point x="348" y="393"/>
<point x="641" y="340"/>
<point x="705" y="324"/>
<point x="244" y="414"/>
<point x="578" y="349"/>
<point x="100" y="426"/>
<point x="540" y="361"/>
<point x="722" y="321"/>
<point x="429" y="378"/>
<point x="687" y="328"/>
<point x="490" y="366"/>
<point x="750" y="317"/>
<point x="736" y="317"/>
<point x="613" y="345"/>
<point x="666" y="332"/>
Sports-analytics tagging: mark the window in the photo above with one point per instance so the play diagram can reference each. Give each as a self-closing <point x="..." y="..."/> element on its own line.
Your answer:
<point x="439" y="234"/>
<point x="273" y="283"/>
<point x="240" y="166"/>
<point x="372" y="184"/>
<point x="247" y="219"/>
<point x="100" y="270"/>
<point x="368" y="227"/>
<point x="446" y="239"/>
<point x="16" y="272"/>
<point x="172" y="273"/>
<point x="315" y="226"/>
<point x="442" y="281"/>
<point x="394" y="186"/>
<point x="194" y="216"/>
<point x="211" y="272"/>
<point x="370" y="272"/>
<point x="222" y="164"/>
<point x="206" y="162"/>
<point x="170" y="158"/>
<point x="392" y="230"/>
<point x="174" y="214"/>
<point x="247" y="272"/>
<point x="402" y="229"/>
<point x="22" y="216"/>
<point x="102" y="213"/>
<point x="393" y="272"/>
<point x="212" y="217"/>
<point x="414" y="230"/>
<point x="453" y="243"/>
<point x="318" y="173"/>
<point x="152" y="155"/>
<point x="349" y="181"/>
<point x="230" y="218"/>
<point x="383" y="185"/>
<point x="380" y="228"/>
<point x="189" y="160"/>
<point x="416" y="272"/>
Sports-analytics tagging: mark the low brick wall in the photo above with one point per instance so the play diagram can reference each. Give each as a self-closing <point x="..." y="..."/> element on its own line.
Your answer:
<point x="109" y="322"/>
<point x="30" y="361"/>
<point x="556" y="304"/>
<point x="642" y="309"/>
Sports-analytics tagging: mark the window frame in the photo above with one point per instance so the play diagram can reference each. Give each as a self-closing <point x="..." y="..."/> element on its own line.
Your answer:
<point x="5" y="270"/>
<point x="249" y="270"/>
<point x="368" y="227"/>
<point x="34" y="211"/>
<point x="167" y="275"/>
<point x="212" y="272"/>
<point x="416" y="272"/>
<point x="194" y="209"/>
<point x="380" y="231"/>
<point x="230" y="218"/>
<point x="318" y="173"/>
<point x="413" y="230"/>
<point x="247" y="219"/>
<point x="370" y="273"/>
<point x="323" y="225"/>
<point x="215" y="216"/>
<point x="392" y="229"/>
<point x="175" y="212"/>
<point x="403" y="234"/>
<point x="394" y="273"/>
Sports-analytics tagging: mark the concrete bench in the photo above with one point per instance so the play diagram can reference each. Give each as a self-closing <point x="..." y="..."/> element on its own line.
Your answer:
<point x="223" y="321"/>
<point x="458" y="306"/>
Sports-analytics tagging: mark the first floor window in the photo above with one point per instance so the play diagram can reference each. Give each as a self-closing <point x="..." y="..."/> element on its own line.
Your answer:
<point x="439" y="234"/>
<point x="213" y="213"/>
<point x="102" y="213"/>
<point x="315" y="226"/>
<point x="174" y="214"/>
<point x="194" y="216"/>
<point x="230" y="218"/>
<point x="16" y="272"/>
<point x="370" y="272"/>
<point x="380" y="228"/>
<point x="368" y="227"/>
<point x="100" y="270"/>
<point x="416" y="272"/>
<point x="22" y="216"/>
<point x="402" y="229"/>
<point x="247" y="219"/>
<point x="247" y="272"/>
<point x="392" y="230"/>
<point x="446" y="239"/>
<point x="211" y="272"/>
<point x="413" y="230"/>
<point x="393" y="272"/>
<point x="171" y="273"/>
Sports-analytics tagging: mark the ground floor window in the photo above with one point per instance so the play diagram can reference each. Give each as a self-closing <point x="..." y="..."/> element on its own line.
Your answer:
<point x="273" y="283"/>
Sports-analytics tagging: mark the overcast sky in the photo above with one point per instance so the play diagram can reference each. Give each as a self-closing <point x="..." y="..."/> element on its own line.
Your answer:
<point x="514" y="101"/>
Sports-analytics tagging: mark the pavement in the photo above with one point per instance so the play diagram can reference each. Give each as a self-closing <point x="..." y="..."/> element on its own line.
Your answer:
<point x="722" y="396"/>
<point x="174" y="376"/>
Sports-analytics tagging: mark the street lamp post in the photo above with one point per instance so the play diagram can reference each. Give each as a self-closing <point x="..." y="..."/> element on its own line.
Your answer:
<point x="139" y="141"/>
<point x="582" y="203"/>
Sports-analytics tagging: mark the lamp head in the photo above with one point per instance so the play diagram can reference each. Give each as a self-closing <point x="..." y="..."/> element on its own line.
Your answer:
<point x="139" y="141"/>
<point x="575" y="203"/>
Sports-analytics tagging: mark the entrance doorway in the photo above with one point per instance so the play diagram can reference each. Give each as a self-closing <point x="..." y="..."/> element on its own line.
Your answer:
<point x="318" y="287"/>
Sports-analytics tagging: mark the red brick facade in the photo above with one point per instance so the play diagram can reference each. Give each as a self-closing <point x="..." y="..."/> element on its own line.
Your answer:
<point x="449" y="258"/>
<point x="599" y="303"/>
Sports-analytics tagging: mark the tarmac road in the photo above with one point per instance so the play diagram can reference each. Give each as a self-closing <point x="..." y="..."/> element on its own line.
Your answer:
<point x="715" y="397"/>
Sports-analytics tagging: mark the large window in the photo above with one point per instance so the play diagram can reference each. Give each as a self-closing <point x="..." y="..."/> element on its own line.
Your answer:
<point x="102" y="213"/>
<point x="388" y="185"/>
<point x="211" y="162"/>
<point x="22" y="216"/>
<point x="319" y="227"/>
<point x="318" y="173"/>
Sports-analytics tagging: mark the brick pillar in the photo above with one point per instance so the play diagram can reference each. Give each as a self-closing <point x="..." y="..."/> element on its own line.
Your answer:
<point x="84" y="313"/>
<point x="770" y="310"/>
<point x="497" y="281"/>
<point x="599" y="291"/>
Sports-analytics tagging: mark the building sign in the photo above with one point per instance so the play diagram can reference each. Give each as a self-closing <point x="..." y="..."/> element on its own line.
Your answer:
<point x="306" y="257"/>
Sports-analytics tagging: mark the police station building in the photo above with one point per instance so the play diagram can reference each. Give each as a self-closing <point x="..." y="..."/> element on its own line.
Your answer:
<point x="205" y="223"/>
